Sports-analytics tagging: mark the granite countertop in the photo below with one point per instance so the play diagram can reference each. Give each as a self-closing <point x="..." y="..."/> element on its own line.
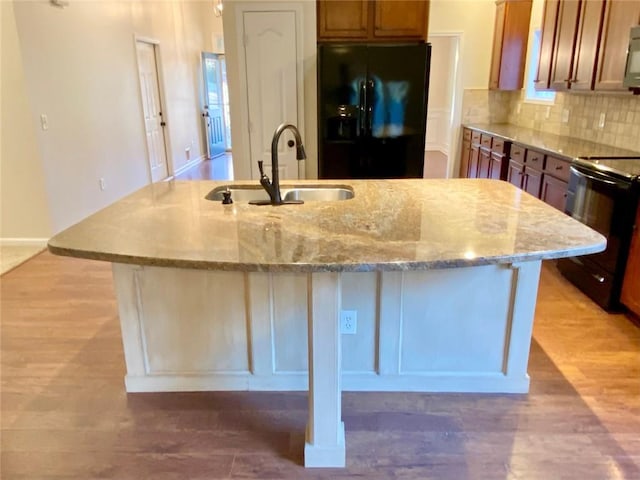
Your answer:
<point x="567" y="147"/>
<point x="407" y="224"/>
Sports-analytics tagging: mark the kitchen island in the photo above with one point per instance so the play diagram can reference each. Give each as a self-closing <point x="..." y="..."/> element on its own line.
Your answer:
<point x="443" y="275"/>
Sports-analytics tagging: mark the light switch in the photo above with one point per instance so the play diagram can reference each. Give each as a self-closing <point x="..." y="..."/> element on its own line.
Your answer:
<point x="44" y="122"/>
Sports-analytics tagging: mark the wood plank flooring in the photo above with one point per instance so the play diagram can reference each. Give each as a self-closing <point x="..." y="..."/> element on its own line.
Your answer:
<point x="65" y="414"/>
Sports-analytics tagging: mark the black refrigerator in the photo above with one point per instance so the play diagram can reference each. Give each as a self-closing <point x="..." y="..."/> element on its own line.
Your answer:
<point x="372" y="110"/>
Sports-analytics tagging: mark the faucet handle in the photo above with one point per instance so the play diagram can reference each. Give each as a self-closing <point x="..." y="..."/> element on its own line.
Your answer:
<point x="261" y="168"/>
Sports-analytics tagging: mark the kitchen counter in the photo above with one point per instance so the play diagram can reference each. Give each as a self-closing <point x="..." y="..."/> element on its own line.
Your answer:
<point x="439" y="277"/>
<point x="561" y="146"/>
<point x="389" y="225"/>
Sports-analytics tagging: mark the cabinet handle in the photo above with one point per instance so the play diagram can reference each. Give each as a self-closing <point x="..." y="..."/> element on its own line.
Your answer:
<point x="559" y="167"/>
<point x="599" y="278"/>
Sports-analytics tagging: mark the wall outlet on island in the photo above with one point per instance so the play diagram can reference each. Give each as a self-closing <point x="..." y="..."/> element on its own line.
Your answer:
<point x="348" y="321"/>
<point x="102" y="183"/>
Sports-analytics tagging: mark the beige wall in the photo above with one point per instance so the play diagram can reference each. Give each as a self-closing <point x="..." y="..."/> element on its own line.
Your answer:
<point x="81" y="71"/>
<point x="474" y="19"/>
<point x="25" y="213"/>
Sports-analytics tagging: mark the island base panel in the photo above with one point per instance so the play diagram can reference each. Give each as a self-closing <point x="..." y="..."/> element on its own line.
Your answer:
<point x="453" y="330"/>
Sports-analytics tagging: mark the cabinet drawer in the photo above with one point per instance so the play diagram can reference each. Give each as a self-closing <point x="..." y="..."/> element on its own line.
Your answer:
<point x="485" y="140"/>
<point x="498" y="145"/>
<point x="534" y="159"/>
<point x="466" y="135"/>
<point x="475" y="137"/>
<point x="517" y="153"/>
<point x="558" y="168"/>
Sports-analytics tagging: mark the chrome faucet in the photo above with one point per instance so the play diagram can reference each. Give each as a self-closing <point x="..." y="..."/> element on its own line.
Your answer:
<point x="273" y="186"/>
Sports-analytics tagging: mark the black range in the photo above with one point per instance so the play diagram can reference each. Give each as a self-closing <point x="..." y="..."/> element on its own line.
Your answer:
<point x="603" y="193"/>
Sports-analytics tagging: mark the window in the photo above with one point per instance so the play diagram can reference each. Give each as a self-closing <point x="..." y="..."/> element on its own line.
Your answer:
<point x="531" y="94"/>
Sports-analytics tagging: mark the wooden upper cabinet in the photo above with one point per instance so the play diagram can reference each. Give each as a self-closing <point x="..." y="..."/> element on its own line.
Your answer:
<point x="401" y="18"/>
<point x="619" y="17"/>
<point x="584" y="44"/>
<point x="564" y="45"/>
<point x="589" y="24"/>
<point x="343" y="19"/>
<point x="549" y="23"/>
<point x="510" y="35"/>
<point x="372" y="20"/>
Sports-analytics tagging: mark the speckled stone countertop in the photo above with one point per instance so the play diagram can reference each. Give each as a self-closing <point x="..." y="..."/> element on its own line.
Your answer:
<point x="390" y="225"/>
<point x="567" y="147"/>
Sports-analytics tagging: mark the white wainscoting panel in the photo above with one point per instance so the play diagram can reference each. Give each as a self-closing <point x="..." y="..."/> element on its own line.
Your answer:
<point x="458" y="330"/>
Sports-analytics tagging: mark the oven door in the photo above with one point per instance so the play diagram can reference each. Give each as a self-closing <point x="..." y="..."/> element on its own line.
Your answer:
<point x="603" y="203"/>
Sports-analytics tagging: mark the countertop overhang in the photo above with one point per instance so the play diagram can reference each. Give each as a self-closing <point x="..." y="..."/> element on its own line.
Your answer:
<point x="409" y="224"/>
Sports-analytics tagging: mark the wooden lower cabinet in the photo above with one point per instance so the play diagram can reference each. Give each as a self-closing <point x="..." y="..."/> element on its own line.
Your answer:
<point x="515" y="173"/>
<point x="630" y="296"/>
<point x="554" y="192"/>
<point x="484" y="164"/>
<point x="464" y="161"/>
<point x="474" y="160"/>
<point x="532" y="181"/>
<point x="495" y="166"/>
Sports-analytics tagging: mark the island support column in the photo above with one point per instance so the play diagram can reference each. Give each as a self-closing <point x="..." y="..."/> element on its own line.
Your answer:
<point x="325" y="440"/>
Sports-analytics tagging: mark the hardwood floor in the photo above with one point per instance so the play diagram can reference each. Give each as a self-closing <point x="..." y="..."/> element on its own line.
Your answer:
<point x="65" y="413"/>
<point x="218" y="168"/>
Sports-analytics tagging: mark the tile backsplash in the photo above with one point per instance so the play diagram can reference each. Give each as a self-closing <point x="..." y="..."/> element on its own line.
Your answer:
<point x="581" y="114"/>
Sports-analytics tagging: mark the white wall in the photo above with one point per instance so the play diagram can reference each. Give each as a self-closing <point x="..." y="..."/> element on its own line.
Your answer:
<point x="81" y="71"/>
<point x="441" y="88"/>
<point x="25" y="213"/>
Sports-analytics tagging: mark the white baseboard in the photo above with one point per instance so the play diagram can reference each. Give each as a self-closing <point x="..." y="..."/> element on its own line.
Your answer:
<point x="444" y="149"/>
<point x="24" y="242"/>
<point x="187" y="166"/>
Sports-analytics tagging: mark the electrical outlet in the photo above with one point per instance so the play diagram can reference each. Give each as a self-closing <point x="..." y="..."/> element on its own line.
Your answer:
<point x="601" y="121"/>
<point x="44" y="122"/>
<point x="565" y="115"/>
<point x="348" y="321"/>
<point x="547" y="113"/>
<point x="102" y="183"/>
<point x="518" y="108"/>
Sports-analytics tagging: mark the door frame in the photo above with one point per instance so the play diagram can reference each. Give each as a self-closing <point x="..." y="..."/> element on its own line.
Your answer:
<point x="456" y="100"/>
<point x="163" y="101"/>
<point x="239" y="11"/>
<point x="205" y="102"/>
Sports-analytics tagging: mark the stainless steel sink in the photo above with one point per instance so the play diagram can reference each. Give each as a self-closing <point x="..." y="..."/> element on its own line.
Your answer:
<point x="318" y="194"/>
<point x="306" y="193"/>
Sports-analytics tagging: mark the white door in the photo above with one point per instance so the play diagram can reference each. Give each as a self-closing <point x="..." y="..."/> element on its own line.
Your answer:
<point x="152" y="109"/>
<point x="270" y="52"/>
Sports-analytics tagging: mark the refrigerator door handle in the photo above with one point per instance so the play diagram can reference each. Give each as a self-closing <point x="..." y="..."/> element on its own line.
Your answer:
<point x="362" y="113"/>
<point x="369" y="97"/>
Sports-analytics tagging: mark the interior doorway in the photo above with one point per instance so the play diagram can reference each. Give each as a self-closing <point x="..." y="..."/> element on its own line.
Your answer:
<point x="442" y="104"/>
<point x="152" y="108"/>
<point x="216" y="105"/>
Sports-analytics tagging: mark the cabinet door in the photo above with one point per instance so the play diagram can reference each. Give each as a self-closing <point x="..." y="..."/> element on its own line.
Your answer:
<point x="485" y="163"/>
<point x="464" y="160"/>
<point x="401" y="19"/>
<point x="549" y="25"/>
<point x="619" y="17"/>
<point x="514" y="173"/>
<point x="510" y="37"/>
<point x="495" y="167"/>
<point x="532" y="181"/>
<point x="345" y="19"/>
<point x="630" y="296"/>
<point x="589" y="26"/>
<point x="554" y="192"/>
<point x="496" y="57"/>
<point x="564" y="47"/>
<point x="474" y="160"/>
